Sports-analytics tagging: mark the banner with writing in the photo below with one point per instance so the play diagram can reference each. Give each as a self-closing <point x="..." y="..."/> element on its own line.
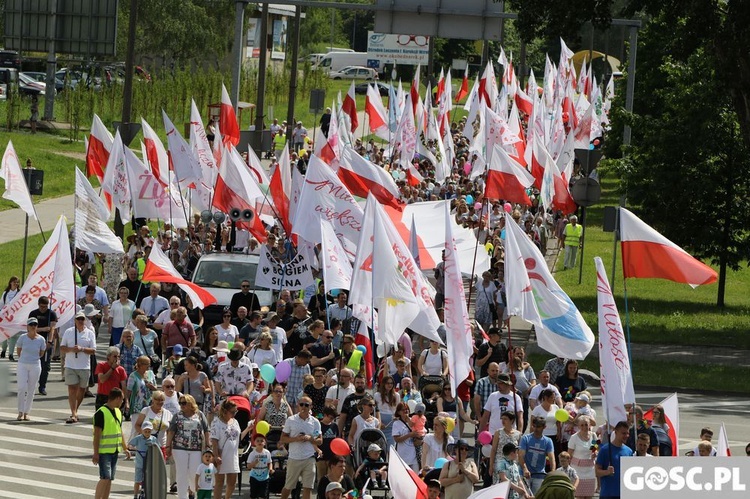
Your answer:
<point x="273" y="274"/>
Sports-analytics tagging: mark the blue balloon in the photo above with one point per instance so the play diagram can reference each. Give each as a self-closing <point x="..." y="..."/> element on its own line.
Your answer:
<point x="439" y="462"/>
<point x="362" y="349"/>
<point x="469" y="199"/>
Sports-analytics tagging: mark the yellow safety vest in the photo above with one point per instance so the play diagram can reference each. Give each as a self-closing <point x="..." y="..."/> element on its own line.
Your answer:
<point x="141" y="266"/>
<point x="111" y="440"/>
<point x="573" y="234"/>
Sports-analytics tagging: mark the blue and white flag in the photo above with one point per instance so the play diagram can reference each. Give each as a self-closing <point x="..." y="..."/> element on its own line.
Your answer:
<point x="534" y="295"/>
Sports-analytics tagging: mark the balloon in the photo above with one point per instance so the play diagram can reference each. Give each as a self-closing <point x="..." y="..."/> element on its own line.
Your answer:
<point x="469" y="199"/>
<point x="362" y="349"/>
<point x="486" y="450"/>
<point x="283" y="370"/>
<point x="355" y="360"/>
<point x="478" y="206"/>
<point x="381" y="350"/>
<point x="340" y="447"/>
<point x="562" y="415"/>
<point x="268" y="373"/>
<point x="507" y="207"/>
<point x="412" y="405"/>
<point x="262" y="427"/>
<point x="439" y="462"/>
<point x="230" y="345"/>
<point x="450" y="424"/>
<point x="484" y="437"/>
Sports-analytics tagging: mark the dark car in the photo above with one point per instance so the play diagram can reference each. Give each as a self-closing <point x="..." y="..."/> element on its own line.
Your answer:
<point x="42" y="78"/>
<point x="10" y="59"/>
<point x="362" y="88"/>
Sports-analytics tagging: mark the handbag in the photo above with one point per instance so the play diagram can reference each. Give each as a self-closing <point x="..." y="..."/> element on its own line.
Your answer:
<point x="155" y="359"/>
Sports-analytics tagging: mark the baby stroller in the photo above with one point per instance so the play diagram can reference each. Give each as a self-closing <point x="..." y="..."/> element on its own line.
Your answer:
<point x="279" y="457"/>
<point x="429" y="385"/>
<point x="366" y="438"/>
<point x="246" y="444"/>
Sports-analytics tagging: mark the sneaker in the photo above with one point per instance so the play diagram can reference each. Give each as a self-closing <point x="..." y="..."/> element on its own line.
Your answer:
<point x="88" y="394"/>
<point x="42" y="391"/>
<point x="2" y="354"/>
<point x="173" y="488"/>
<point x="11" y="358"/>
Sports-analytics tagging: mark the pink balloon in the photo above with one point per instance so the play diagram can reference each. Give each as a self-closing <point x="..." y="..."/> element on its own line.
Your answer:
<point x="507" y="207"/>
<point x="485" y="438"/>
<point x="283" y="370"/>
<point x="477" y="206"/>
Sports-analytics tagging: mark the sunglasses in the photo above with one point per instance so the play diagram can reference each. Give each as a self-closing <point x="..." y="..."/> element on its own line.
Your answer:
<point x="246" y="286"/>
<point x="183" y="402"/>
<point x="304" y="404"/>
<point x="80" y="318"/>
<point x="328" y="337"/>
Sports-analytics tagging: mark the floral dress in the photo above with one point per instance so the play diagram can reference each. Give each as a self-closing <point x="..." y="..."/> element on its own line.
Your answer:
<point x="140" y="395"/>
<point x="484" y="297"/>
<point x="189" y="431"/>
<point x="276" y="417"/>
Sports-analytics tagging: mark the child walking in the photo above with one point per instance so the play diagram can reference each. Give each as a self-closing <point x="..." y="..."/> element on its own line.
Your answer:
<point x="140" y="443"/>
<point x="205" y="475"/>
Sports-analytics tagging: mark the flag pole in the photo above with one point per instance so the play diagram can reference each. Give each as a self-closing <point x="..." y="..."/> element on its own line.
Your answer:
<point x="474" y="263"/>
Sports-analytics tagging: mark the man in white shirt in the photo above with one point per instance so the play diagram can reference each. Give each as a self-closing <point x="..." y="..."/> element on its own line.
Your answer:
<point x="340" y="311"/>
<point x="543" y="384"/>
<point x="336" y="394"/>
<point x="154" y="304"/>
<point x="277" y="333"/>
<point x="499" y="402"/>
<point x="78" y="344"/>
<point x="166" y="315"/>
<point x="100" y="294"/>
<point x="302" y="436"/>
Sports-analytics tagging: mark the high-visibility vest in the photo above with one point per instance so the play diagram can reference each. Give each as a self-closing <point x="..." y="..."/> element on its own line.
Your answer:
<point x="111" y="440"/>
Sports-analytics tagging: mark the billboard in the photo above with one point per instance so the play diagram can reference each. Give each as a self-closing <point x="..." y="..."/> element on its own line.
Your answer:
<point x="253" y="38"/>
<point x="398" y="49"/>
<point x="278" y="50"/>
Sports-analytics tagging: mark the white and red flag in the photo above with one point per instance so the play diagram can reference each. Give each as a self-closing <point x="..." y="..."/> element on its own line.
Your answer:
<point x="160" y="269"/>
<point x="91" y="216"/>
<point x="116" y="182"/>
<point x="16" y="189"/>
<point x="506" y="179"/>
<point x="51" y="276"/>
<point x="722" y="446"/>
<point x="488" y="86"/>
<point x="154" y="154"/>
<point x="498" y="491"/>
<point x="349" y="106"/>
<point x="182" y="161"/>
<point x="672" y="418"/>
<point x="555" y="191"/>
<point x="404" y="482"/>
<point x="376" y="113"/>
<point x="97" y="150"/>
<point x="281" y="189"/>
<point x="337" y="270"/>
<point x="414" y="92"/>
<point x="201" y="146"/>
<point x="459" y="340"/>
<point x="228" y="125"/>
<point x="648" y="254"/>
<point x="463" y="91"/>
<point x="614" y="360"/>
<point x="362" y="177"/>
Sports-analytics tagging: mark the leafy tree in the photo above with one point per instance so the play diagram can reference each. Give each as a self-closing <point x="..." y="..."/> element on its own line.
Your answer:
<point x="550" y="19"/>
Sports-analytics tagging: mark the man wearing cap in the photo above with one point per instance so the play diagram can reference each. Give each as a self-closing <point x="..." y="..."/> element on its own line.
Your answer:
<point x="302" y="436"/>
<point x="46" y="327"/>
<point x="492" y="351"/>
<point x="500" y="401"/>
<point x="534" y="452"/>
<point x="233" y="377"/>
<point x="298" y="136"/>
<point x="78" y="344"/>
<point x="572" y="240"/>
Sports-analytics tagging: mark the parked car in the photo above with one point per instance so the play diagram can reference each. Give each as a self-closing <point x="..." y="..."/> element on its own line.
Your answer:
<point x="10" y="59"/>
<point x="355" y="73"/>
<point x="29" y="86"/>
<point x="362" y="88"/>
<point x="69" y="77"/>
<point x="42" y="78"/>
<point x="221" y="275"/>
<point x="8" y="82"/>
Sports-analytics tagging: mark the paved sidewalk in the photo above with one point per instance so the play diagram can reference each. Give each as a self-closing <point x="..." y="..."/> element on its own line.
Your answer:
<point x="12" y="222"/>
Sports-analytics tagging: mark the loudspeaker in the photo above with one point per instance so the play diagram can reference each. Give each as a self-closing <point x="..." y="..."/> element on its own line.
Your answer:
<point x="247" y="215"/>
<point x="35" y="180"/>
<point x="235" y="214"/>
<point x="206" y="216"/>
<point x="610" y="219"/>
<point x="219" y="217"/>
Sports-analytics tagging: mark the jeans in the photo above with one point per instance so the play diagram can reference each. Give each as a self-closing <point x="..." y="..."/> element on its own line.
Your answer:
<point x="27" y="376"/>
<point x="46" y="361"/>
<point x="10" y="344"/>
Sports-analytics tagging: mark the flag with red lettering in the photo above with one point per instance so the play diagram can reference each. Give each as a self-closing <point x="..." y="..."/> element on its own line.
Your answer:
<point x="614" y="361"/>
<point x="160" y="269"/>
<point x="648" y="254"/>
<point x="51" y="276"/>
<point x="228" y="125"/>
<point x="16" y="189"/>
<point x="97" y="151"/>
<point x="672" y="417"/>
<point x="349" y="106"/>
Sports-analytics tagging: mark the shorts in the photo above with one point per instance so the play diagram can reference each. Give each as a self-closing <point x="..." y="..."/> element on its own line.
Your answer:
<point x="107" y="466"/>
<point x="205" y="494"/>
<point x="78" y="377"/>
<point x="258" y="488"/>
<point x="139" y="475"/>
<point x="296" y="469"/>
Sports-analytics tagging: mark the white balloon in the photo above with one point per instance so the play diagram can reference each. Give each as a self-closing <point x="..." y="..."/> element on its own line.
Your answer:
<point x="381" y="350"/>
<point x="412" y="405"/>
<point x="487" y="450"/>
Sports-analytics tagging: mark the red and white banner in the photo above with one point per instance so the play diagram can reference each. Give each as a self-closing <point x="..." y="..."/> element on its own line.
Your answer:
<point x="349" y="106"/>
<point x="228" y="125"/>
<point x="154" y="154"/>
<point x="506" y="179"/>
<point x="648" y="254"/>
<point x="337" y="271"/>
<point x="281" y="189"/>
<point x="160" y="269"/>
<point x="116" y="180"/>
<point x="97" y="150"/>
<point x="362" y="177"/>
<point x="722" y="446"/>
<point x="91" y="215"/>
<point x="16" y="189"/>
<point x="459" y="339"/>
<point x="672" y="418"/>
<point x="376" y="113"/>
<point x="404" y="482"/>
<point x="614" y="361"/>
<point x="51" y="276"/>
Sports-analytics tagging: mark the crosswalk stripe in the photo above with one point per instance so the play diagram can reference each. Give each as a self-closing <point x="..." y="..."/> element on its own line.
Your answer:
<point x="93" y="477"/>
<point x="35" y="430"/>
<point x="36" y="484"/>
<point x="84" y="459"/>
<point x="85" y="452"/>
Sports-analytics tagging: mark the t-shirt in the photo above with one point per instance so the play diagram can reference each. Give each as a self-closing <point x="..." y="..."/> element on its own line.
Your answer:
<point x="569" y="388"/>
<point x="279" y="340"/>
<point x="295" y="426"/>
<point x="329" y="431"/>
<point x="178" y="333"/>
<point x="260" y="470"/>
<point x="351" y="409"/>
<point x="536" y="452"/>
<point x="73" y="337"/>
<point x="534" y="395"/>
<point x="189" y="431"/>
<point x="339" y="393"/>
<point x="30" y="349"/>
<point x="44" y="319"/>
<point x="205" y="476"/>
<point x="160" y="423"/>
<point x="114" y="381"/>
<point x="497" y="403"/>
<point x="549" y="416"/>
<point x="319" y="350"/>
<point x="499" y="354"/>
<point x="609" y="455"/>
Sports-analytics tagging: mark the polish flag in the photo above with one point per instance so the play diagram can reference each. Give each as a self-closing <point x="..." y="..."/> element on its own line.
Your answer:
<point x="414" y="91"/>
<point x="362" y="177"/>
<point x="524" y="102"/>
<point x="555" y="191"/>
<point x="281" y="189"/>
<point x="722" y="446"/>
<point x="539" y="160"/>
<point x="97" y="152"/>
<point x="160" y="269"/>
<point x="404" y="482"/>
<point x="331" y="148"/>
<point x="648" y="254"/>
<point x="154" y="154"/>
<point x="349" y="106"/>
<point x="228" y="119"/>
<point x="376" y="113"/>
<point x="440" y="86"/>
<point x="672" y="418"/>
<point x="464" y="90"/>
<point x="506" y="179"/>
<point x="488" y="85"/>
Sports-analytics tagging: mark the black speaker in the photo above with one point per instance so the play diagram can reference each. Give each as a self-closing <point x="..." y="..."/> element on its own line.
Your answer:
<point x="317" y="100"/>
<point x="610" y="219"/>
<point x="235" y="214"/>
<point x="35" y="181"/>
<point x="247" y="215"/>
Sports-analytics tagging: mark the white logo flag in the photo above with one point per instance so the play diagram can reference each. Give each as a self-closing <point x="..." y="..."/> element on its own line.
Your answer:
<point x="116" y="181"/>
<point x="459" y="338"/>
<point x="91" y="230"/>
<point x="273" y="274"/>
<point x="614" y="361"/>
<point x="16" y="189"/>
<point x="183" y="162"/>
<point x="51" y="276"/>
<point x="201" y="147"/>
<point x="337" y="271"/>
<point x="534" y="295"/>
<point x="325" y="197"/>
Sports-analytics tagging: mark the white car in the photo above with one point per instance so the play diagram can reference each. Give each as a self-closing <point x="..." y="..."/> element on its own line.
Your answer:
<point x="355" y="73"/>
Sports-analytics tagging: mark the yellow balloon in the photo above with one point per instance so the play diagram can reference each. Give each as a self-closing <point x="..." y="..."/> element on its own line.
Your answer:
<point x="450" y="423"/>
<point x="262" y="427"/>
<point x="562" y="415"/>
